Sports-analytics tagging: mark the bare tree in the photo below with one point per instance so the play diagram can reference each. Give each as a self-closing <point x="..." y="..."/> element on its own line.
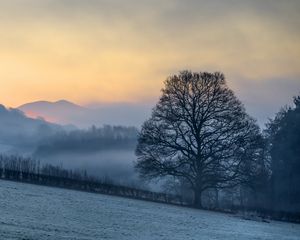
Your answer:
<point x="198" y="131"/>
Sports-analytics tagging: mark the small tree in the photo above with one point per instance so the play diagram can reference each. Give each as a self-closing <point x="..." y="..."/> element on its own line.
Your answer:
<point x="198" y="131"/>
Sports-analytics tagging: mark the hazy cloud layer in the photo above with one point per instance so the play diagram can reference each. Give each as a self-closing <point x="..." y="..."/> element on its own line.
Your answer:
<point x="121" y="51"/>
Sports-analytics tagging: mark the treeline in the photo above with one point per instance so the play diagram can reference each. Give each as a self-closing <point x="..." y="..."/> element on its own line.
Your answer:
<point x="276" y="186"/>
<point x="28" y="170"/>
<point x="93" y="139"/>
<point x="270" y="186"/>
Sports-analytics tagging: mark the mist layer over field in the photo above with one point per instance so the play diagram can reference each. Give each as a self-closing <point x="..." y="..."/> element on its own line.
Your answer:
<point x="111" y="165"/>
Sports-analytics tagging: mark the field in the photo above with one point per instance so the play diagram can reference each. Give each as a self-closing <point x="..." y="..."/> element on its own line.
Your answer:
<point x="38" y="213"/>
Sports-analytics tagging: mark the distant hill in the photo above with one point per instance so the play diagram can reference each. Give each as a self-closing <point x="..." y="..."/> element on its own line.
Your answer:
<point x="18" y="131"/>
<point x="62" y="111"/>
<point x="65" y="112"/>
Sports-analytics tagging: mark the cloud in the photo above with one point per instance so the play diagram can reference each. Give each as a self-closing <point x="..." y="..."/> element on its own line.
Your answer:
<point x="121" y="51"/>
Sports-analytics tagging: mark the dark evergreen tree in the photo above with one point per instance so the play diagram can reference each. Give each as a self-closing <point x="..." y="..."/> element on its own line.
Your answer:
<point x="284" y="146"/>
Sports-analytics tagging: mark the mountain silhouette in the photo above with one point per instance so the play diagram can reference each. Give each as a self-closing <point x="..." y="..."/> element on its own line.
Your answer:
<point x="65" y="112"/>
<point x="61" y="112"/>
<point x="21" y="132"/>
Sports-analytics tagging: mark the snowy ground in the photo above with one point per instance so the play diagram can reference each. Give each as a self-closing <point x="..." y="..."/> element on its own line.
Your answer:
<point x="37" y="212"/>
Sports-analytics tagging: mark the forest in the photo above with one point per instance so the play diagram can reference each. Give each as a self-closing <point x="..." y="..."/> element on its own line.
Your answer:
<point x="89" y="140"/>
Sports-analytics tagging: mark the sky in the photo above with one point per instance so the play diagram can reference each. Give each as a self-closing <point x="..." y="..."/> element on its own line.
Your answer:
<point x="122" y="50"/>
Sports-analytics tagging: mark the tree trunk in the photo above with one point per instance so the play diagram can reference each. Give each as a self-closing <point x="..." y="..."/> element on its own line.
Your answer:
<point x="217" y="198"/>
<point x="241" y="198"/>
<point x="197" y="198"/>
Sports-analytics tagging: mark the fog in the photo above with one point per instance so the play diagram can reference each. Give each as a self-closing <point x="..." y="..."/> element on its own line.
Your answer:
<point x="114" y="166"/>
<point x="65" y="113"/>
<point x="106" y="152"/>
<point x="19" y="133"/>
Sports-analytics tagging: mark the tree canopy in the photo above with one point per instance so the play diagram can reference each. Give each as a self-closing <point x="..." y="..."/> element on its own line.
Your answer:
<point x="199" y="131"/>
<point x="284" y="147"/>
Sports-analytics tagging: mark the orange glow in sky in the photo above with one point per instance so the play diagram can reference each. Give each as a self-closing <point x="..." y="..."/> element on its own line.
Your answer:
<point x="121" y="51"/>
